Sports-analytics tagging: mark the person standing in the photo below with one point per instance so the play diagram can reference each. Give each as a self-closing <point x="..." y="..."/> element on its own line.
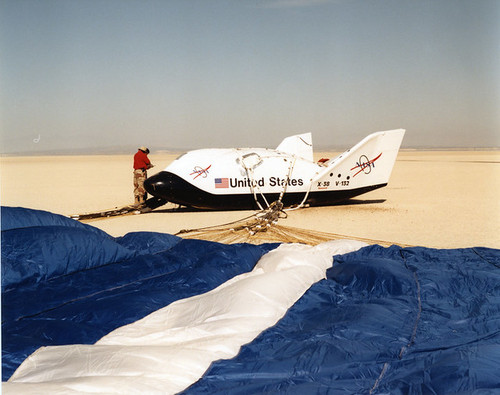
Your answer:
<point x="141" y="165"/>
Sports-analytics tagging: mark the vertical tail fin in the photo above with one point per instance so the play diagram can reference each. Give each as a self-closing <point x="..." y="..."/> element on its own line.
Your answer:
<point x="299" y="145"/>
<point x="369" y="162"/>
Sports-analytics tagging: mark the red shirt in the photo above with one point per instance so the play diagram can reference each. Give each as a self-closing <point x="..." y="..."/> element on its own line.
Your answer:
<point x="141" y="160"/>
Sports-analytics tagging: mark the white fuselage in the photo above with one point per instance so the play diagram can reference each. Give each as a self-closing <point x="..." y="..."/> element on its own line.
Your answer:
<point x="254" y="177"/>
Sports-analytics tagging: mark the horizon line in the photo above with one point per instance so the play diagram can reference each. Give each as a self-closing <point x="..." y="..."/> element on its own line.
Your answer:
<point x="94" y="152"/>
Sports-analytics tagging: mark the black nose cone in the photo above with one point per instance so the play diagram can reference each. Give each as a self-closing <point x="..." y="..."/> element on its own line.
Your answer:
<point x="159" y="185"/>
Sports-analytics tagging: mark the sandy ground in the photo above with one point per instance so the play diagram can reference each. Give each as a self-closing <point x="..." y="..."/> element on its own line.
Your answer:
<point x="445" y="199"/>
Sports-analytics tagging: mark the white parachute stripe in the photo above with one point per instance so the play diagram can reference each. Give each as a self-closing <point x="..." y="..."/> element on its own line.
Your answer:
<point x="170" y="349"/>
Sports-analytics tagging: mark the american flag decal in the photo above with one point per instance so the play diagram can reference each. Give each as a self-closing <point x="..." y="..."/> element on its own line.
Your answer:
<point x="221" y="183"/>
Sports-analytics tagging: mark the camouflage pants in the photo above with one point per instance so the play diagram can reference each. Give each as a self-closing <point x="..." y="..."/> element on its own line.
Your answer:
<point x="140" y="194"/>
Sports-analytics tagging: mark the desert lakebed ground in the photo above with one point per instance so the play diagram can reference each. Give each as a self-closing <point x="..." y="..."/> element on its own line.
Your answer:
<point x="442" y="199"/>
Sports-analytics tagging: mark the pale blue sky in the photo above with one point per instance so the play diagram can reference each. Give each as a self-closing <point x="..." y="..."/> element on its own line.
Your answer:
<point x="105" y="74"/>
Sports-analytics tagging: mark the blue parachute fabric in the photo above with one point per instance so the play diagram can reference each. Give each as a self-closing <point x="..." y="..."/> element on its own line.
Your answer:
<point x="386" y="320"/>
<point x="38" y="253"/>
<point x="147" y="242"/>
<point x="20" y="217"/>
<point x="30" y="238"/>
<point x="123" y="280"/>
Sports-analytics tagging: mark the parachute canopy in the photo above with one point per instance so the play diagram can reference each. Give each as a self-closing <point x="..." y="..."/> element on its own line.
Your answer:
<point x="392" y="320"/>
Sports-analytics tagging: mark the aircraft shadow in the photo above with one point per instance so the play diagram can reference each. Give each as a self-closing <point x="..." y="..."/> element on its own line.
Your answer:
<point x="183" y="209"/>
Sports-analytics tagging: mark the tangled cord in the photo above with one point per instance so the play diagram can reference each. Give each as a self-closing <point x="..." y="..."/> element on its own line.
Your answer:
<point x="259" y="222"/>
<point x="263" y="227"/>
<point x="266" y="218"/>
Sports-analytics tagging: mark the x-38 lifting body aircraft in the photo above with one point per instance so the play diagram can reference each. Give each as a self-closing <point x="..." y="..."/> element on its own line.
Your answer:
<point x="253" y="178"/>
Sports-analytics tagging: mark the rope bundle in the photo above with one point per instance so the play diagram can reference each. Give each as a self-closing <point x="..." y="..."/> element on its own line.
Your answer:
<point x="263" y="227"/>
